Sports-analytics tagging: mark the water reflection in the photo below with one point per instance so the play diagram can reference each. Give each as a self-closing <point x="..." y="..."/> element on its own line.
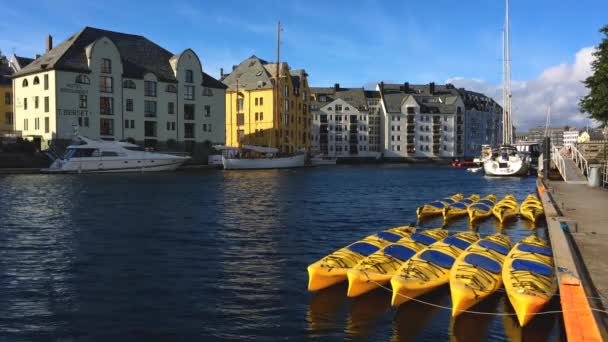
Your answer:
<point x="365" y="312"/>
<point x="543" y="327"/>
<point x="412" y="317"/>
<point x="325" y="310"/>
<point x="473" y="327"/>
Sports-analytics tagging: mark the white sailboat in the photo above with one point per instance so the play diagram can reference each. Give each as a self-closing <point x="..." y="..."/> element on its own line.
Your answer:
<point x="506" y="160"/>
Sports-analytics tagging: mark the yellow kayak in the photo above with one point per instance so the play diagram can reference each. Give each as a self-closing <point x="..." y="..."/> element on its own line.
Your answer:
<point x="531" y="208"/>
<point x="529" y="277"/>
<point x="459" y="208"/>
<point x="332" y="269"/>
<point x="477" y="272"/>
<point x="378" y="268"/>
<point x="506" y="209"/>
<point x="436" y="207"/>
<point x="482" y="208"/>
<point x="429" y="268"/>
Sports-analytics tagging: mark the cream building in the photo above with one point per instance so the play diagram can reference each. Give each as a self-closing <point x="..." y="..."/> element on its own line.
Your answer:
<point x="118" y="86"/>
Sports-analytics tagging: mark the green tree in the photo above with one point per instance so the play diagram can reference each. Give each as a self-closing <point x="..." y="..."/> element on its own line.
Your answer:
<point x="596" y="102"/>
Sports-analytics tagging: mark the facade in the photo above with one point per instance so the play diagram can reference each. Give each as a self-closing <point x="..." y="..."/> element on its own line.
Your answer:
<point x="556" y="134"/>
<point x="251" y="115"/>
<point x="6" y="99"/>
<point x="429" y="121"/>
<point x="340" y="122"/>
<point x="570" y="137"/>
<point x="117" y="86"/>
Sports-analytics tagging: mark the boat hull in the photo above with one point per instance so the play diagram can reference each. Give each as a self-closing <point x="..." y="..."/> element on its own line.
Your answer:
<point x="516" y="168"/>
<point x="116" y="165"/>
<point x="263" y="163"/>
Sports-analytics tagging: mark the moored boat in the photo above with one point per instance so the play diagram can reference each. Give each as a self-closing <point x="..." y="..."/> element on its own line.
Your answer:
<point x="477" y="272"/>
<point x="250" y="157"/>
<point x="459" y="208"/>
<point x="481" y="209"/>
<point x="532" y="208"/>
<point x="506" y="209"/>
<point x="332" y="268"/>
<point x="429" y="268"/>
<point x="378" y="268"/>
<point x="506" y="161"/>
<point x="529" y="277"/>
<point x="436" y="207"/>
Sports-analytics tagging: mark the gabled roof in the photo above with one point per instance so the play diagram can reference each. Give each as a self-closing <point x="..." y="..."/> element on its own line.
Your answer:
<point x="138" y="54"/>
<point x="252" y="73"/>
<point x="354" y="96"/>
<point x="22" y="62"/>
<point x="210" y="82"/>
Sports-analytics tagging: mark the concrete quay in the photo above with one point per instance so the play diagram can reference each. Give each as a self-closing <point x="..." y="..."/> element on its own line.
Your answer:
<point x="577" y="219"/>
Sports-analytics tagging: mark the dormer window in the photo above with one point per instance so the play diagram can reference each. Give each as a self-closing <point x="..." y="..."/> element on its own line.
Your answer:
<point x="171" y="88"/>
<point x="106" y="66"/>
<point x="83" y="79"/>
<point x="24" y="84"/>
<point x="128" y="84"/>
<point x="189" y="76"/>
<point x="36" y="80"/>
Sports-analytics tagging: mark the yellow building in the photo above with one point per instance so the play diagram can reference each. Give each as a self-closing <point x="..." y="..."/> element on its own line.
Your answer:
<point x="6" y="99"/>
<point x="251" y="99"/>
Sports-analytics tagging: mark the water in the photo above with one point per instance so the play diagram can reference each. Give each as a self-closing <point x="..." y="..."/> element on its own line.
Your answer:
<point x="223" y="255"/>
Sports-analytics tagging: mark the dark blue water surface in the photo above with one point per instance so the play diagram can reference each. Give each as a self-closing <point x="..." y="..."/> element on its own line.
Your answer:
<point x="222" y="255"/>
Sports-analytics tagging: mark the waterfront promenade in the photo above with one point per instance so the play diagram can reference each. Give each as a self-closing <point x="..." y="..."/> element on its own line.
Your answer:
<point x="589" y="208"/>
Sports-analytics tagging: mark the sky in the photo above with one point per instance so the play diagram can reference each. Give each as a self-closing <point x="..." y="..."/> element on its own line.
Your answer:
<point x="356" y="43"/>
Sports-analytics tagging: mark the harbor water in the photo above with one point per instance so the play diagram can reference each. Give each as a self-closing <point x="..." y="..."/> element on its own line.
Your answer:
<point x="222" y="255"/>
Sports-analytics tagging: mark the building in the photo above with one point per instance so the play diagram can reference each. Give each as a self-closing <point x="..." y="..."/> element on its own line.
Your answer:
<point x="17" y="62"/>
<point x="6" y="98"/>
<point x="436" y="121"/>
<point x="536" y="134"/>
<point x="570" y="137"/>
<point x="251" y="104"/>
<point x="341" y="121"/>
<point x="116" y="86"/>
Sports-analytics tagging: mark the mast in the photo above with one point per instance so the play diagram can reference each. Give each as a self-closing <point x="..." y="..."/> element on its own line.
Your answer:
<point x="508" y="105"/>
<point x="278" y="88"/>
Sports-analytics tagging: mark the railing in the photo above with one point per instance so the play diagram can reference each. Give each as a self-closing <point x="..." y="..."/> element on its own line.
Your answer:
<point x="558" y="160"/>
<point x="578" y="158"/>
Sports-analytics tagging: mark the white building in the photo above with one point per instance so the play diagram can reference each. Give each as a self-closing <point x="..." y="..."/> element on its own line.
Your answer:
<point x="570" y="137"/>
<point x="117" y="86"/>
<point x="340" y="122"/>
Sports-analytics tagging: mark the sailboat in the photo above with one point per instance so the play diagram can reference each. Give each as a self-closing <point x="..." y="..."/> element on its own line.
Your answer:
<point x="260" y="157"/>
<point x="505" y="159"/>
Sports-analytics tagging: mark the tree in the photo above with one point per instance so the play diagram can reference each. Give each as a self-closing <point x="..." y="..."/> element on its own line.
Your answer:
<point x="596" y="102"/>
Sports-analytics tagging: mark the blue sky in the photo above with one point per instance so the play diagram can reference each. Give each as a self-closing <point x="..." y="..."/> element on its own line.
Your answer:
<point x="353" y="43"/>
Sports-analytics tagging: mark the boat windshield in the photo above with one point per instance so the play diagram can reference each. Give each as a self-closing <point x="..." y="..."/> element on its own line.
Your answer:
<point x="81" y="153"/>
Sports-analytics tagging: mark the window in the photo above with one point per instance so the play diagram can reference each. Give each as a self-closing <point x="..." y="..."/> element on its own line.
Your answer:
<point x="256" y="116"/>
<point x="8" y="98"/>
<point x="261" y="116"/>
<point x="256" y="101"/>
<point x="261" y="101"/>
<point x="36" y="102"/>
<point x="150" y="109"/>
<point x="150" y="128"/>
<point x="173" y="126"/>
<point x="171" y="88"/>
<point x="240" y="119"/>
<point x="207" y="92"/>
<point x="150" y="88"/>
<point x="168" y="125"/>
<point x="106" y="66"/>
<point x="239" y="104"/>
<point x="126" y="123"/>
<point x="46" y="104"/>
<point x="24" y="83"/>
<point x="106" y="126"/>
<point x="189" y="93"/>
<point x="83" y="79"/>
<point x="105" y="84"/>
<point x="132" y="123"/>
<point x="398" y="148"/>
<point x="129" y="105"/>
<point x="171" y="107"/>
<point x="47" y="125"/>
<point x="83" y="102"/>
<point x="128" y="84"/>
<point x="25" y="124"/>
<point x="240" y="134"/>
<point x="207" y="110"/>
<point x="106" y="105"/>
<point x="46" y="82"/>
<point x="188" y="111"/>
<point x="458" y="110"/>
<point x="445" y="148"/>
<point x="205" y="128"/>
<point x="36" y="124"/>
<point x="209" y="128"/>
<point x="445" y="128"/>
<point x="8" y="118"/>
<point x="25" y="103"/>
<point x="189" y="76"/>
<point x="36" y="80"/>
<point x="189" y="130"/>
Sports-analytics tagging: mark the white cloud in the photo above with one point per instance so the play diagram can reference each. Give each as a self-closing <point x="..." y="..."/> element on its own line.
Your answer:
<point x="559" y="86"/>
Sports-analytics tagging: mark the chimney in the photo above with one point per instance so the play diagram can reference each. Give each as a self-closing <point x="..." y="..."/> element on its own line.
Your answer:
<point x="432" y="88"/>
<point x="234" y="67"/>
<point x="406" y="86"/>
<point x="337" y="86"/>
<point x="221" y="72"/>
<point x="381" y="86"/>
<point x="49" y="43"/>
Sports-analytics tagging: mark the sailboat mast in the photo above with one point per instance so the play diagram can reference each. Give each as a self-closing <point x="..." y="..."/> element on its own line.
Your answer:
<point x="504" y="90"/>
<point x="508" y="76"/>
<point x="278" y="88"/>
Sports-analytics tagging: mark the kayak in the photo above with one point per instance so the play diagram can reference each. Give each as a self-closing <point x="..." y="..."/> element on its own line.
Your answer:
<point x="477" y="272"/>
<point x="531" y="208"/>
<point x="429" y="268"/>
<point x="482" y="208"/>
<point x="436" y="207"/>
<point x="506" y="209"/>
<point x="459" y="208"/>
<point x="332" y="269"/>
<point x="378" y="268"/>
<point x="529" y="277"/>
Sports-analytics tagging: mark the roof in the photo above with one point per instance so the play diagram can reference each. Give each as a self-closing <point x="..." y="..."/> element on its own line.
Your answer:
<point x="138" y="55"/>
<point x="5" y="73"/>
<point x="210" y="82"/>
<point x="252" y="73"/>
<point x="354" y="96"/>
<point x="23" y="61"/>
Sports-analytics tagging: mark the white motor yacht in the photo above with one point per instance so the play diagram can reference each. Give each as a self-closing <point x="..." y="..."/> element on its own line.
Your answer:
<point x="506" y="161"/>
<point x="86" y="155"/>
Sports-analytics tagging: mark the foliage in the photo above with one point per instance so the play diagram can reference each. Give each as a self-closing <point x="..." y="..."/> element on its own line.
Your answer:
<point x="596" y="102"/>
